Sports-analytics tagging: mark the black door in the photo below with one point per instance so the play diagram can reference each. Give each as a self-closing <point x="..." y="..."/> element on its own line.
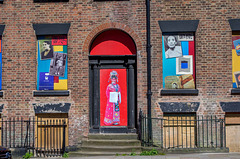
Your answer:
<point x="104" y="68"/>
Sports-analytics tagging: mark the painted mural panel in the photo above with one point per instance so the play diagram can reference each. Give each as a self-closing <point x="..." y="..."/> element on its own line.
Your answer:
<point x="178" y="61"/>
<point x="113" y="97"/>
<point x="52" y="62"/>
<point x="0" y="63"/>
<point x="236" y="60"/>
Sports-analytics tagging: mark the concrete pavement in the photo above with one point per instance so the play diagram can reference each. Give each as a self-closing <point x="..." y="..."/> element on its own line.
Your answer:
<point x="171" y="156"/>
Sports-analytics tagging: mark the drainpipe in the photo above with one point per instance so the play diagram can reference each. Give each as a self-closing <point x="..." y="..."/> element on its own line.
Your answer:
<point x="149" y="93"/>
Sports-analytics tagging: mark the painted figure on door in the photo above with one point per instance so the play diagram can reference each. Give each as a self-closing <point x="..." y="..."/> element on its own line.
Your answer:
<point x="113" y="93"/>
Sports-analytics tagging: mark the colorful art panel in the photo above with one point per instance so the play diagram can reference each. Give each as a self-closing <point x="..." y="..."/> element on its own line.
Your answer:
<point x="52" y="63"/>
<point x="0" y="63"/>
<point x="113" y="97"/>
<point x="176" y="65"/>
<point x="235" y="61"/>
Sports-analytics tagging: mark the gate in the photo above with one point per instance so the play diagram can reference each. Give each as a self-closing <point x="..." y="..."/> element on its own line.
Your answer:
<point x="183" y="132"/>
<point x="44" y="138"/>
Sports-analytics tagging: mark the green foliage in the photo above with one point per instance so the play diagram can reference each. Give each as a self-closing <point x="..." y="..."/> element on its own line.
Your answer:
<point x="132" y="154"/>
<point x="124" y="154"/>
<point x="65" y="155"/>
<point x="153" y="152"/>
<point x="27" y="155"/>
<point x="117" y="154"/>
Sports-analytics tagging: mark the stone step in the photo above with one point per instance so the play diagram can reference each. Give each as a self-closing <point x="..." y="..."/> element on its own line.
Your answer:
<point x="114" y="136"/>
<point x="115" y="149"/>
<point x="94" y="142"/>
<point x="81" y="153"/>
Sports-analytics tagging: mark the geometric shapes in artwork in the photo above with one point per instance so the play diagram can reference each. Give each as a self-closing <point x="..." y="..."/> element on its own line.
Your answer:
<point x="180" y="82"/>
<point x="187" y="81"/>
<point x="56" y="79"/>
<point x="237" y="78"/>
<point x="185" y="37"/>
<point x="236" y="44"/>
<point x="65" y="49"/>
<point x="61" y="85"/>
<point x="59" y="40"/>
<point x="184" y="65"/>
<point x="58" y="48"/>
<point x="172" y="82"/>
<point x="46" y="81"/>
<point x="57" y="65"/>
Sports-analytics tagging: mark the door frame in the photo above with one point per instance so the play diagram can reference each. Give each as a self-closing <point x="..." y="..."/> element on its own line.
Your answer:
<point x="96" y="63"/>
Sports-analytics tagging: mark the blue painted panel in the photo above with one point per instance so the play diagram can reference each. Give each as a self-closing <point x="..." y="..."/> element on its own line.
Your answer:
<point x="46" y="81"/>
<point x="234" y="85"/>
<point x="185" y="49"/>
<point x="169" y="65"/>
<point x="184" y="64"/>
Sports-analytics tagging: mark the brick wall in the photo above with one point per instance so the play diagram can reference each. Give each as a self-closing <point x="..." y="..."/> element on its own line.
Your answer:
<point x="88" y="18"/>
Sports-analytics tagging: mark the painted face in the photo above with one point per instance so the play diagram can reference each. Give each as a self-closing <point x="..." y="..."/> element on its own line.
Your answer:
<point x="46" y="46"/>
<point x="114" y="80"/>
<point x="171" y="42"/>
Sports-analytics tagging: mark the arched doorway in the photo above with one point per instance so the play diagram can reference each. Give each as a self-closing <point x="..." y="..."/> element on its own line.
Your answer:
<point x="112" y="73"/>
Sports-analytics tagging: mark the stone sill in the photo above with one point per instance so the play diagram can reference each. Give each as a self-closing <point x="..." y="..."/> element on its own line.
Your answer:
<point x="179" y="92"/>
<point x="235" y="91"/>
<point x="50" y="93"/>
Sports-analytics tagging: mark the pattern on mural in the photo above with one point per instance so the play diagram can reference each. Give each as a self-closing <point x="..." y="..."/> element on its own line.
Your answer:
<point x="178" y="61"/>
<point x="52" y="62"/>
<point x="236" y="61"/>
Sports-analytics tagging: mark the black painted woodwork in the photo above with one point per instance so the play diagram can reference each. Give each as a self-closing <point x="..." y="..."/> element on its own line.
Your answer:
<point x="50" y="93"/>
<point x="1" y="107"/>
<point x="179" y="107"/>
<point x="178" y="26"/>
<point x="51" y="107"/>
<point x="111" y="62"/>
<point x="235" y="91"/>
<point x="234" y="24"/>
<point x="1" y="1"/>
<point x="1" y="28"/>
<point x="51" y="29"/>
<point x="230" y="107"/>
<point x="179" y="92"/>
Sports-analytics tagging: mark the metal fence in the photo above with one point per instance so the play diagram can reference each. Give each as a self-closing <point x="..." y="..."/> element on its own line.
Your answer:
<point x="182" y="131"/>
<point x="44" y="138"/>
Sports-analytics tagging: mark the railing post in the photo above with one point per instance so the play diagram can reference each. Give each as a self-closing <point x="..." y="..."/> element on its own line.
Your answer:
<point x="221" y="132"/>
<point x="64" y="126"/>
<point x="140" y="126"/>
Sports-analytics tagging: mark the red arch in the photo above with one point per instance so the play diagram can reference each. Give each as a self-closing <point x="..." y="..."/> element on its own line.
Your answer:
<point x="113" y="42"/>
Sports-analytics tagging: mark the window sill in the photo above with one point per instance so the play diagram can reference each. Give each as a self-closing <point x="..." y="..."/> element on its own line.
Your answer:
<point x="235" y="91"/>
<point x="179" y="92"/>
<point x="50" y="93"/>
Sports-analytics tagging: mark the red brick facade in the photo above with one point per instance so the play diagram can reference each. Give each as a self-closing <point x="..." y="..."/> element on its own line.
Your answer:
<point x="88" y="19"/>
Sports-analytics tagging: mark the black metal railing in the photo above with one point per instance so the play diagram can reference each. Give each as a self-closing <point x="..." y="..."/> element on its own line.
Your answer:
<point x="42" y="137"/>
<point x="185" y="131"/>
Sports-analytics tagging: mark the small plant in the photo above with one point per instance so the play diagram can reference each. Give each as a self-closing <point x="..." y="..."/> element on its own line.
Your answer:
<point x="117" y="154"/>
<point x="27" y="155"/>
<point x="132" y="154"/>
<point x="65" y="155"/>
<point x="161" y="153"/>
<point x="153" y="152"/>
<point x="124" y="154"/>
